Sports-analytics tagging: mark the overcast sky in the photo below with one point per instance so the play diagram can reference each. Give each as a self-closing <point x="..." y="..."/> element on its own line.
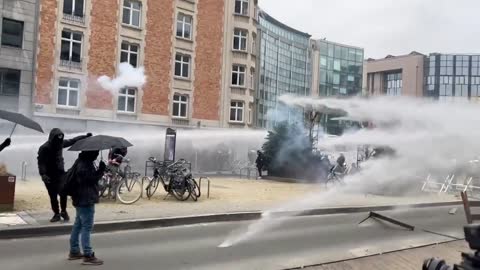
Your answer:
<point x="385" y="27"/>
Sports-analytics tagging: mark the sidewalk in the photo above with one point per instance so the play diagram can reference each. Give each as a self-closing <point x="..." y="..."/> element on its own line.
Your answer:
<point x="410" y="259"/>
<point x="227" y="195"/>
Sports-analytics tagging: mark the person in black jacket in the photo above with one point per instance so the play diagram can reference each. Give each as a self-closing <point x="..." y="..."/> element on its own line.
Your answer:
<point x="6" y="143"/>
<point x="84" y="198"/>
<point x="51" y="168"/>
<point x="260" y="163"/>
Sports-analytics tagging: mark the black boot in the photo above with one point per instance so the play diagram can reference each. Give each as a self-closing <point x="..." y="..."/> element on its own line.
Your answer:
<point x="55" y="218"/>
<point x="65" y="216"/>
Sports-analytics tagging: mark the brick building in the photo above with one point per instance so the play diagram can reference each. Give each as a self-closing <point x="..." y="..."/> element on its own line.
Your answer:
<point x="197" y="56"/>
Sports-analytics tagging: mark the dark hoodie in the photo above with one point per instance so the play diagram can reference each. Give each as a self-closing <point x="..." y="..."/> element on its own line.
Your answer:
<point x="50" y="154"/>
<point x="87" y="177"/>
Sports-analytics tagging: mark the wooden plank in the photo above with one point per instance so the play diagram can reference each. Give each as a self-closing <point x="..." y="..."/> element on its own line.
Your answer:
<point x="466" y="207"/>
<point x="474" y="203"/>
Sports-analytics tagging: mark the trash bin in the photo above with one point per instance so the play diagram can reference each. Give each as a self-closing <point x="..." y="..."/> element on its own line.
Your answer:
<point x="7" y="192"/>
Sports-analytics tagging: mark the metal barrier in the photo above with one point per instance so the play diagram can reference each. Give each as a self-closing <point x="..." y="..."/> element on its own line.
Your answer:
<point x="458" y="187"/>
<point x="248" y="170"/>
<point x="200" y="186"/>
<point x="429" y="182"/>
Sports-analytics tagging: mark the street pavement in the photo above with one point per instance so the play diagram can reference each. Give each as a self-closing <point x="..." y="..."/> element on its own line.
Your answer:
<point x="300" y="241"/>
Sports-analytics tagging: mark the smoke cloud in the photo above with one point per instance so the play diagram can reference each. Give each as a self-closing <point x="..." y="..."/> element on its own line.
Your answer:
<point x="127" y="76"/>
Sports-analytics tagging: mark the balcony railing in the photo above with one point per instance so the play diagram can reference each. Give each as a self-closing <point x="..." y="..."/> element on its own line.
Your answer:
<point x="74" y="18"/>
<point x="71" y="64"/>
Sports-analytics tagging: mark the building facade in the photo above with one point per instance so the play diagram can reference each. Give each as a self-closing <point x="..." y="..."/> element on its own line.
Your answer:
<point x="339" y="69"/>
<point x="198" y="57"/>
<point x="284" y="68"/>
<point x="17" y="61"/>
<point x="239" y="63"/>
<point x="395" y="75"/>
<point x="452" y="77"/>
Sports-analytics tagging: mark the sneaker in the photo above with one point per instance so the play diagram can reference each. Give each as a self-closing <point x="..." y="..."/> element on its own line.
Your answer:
<point x="92" y="260"/>
<point x="75" y="256"/>
<point x="55" y="218"/>
<point x="65" y="216"/>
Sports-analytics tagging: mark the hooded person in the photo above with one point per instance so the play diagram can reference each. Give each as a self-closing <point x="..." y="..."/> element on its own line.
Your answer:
<point x="86" y="195"/>
<point x="51" y="168"/>
<point x="6" y="143"/>
<point x="260" y="161"/>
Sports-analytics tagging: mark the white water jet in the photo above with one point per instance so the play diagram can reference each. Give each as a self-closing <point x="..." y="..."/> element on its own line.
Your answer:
<point x="428" y="137"/>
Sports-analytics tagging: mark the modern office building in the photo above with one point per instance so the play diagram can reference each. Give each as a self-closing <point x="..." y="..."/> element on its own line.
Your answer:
<point x="284" y="68"/>
<point x="338" y="69"/>
<point x="17" y="61"/>
<point x="452" y="77"/>
<point x="198" y="56"/>
<point x="395" y="75"/>
<point x="443" y="77"/>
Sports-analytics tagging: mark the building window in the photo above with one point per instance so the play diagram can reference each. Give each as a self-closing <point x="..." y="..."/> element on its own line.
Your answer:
<point x="68" y="92"/>
<point x="393" y="84"/>
<point x="180" y="105"/>
<point x="131" y="12"/>
<point x="238" y="75"/>
<point x="129" y="54"/>
<point x="182" y="65"/>
<point x="73" y="7"/>
<point x="240" y="40"/>
<point x="252" y="78"/>
<point x="254" y="43"/>
<point x="127" y="100"/>
<point x="184" y="26"/>
<point x="9" y="82"/>
<point x="241" y="7"/>
<point x="71" y="46"/>
<point x="236" y="111"/>
<point x="12" y="33"/>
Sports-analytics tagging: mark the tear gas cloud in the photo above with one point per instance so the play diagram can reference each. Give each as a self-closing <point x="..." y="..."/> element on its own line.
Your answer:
<point x="127" y="76"/>
<point x="429" y="137"/>
<point x="198" y="146"/>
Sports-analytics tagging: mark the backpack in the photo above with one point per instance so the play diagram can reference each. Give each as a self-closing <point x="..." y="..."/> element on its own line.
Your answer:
<point x="68" y="182"/>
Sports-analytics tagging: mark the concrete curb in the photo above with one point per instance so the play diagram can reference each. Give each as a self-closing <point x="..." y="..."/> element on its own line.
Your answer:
<point x="110" y="226"/>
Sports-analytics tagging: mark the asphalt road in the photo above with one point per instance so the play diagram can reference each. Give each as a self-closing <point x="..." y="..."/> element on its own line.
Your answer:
<point x="300" y="241"/>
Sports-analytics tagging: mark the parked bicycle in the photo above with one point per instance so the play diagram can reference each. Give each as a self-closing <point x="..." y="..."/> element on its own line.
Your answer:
<point x="124" y="186"/>
<point x="175" y="178"/>
<point x="336" y="175"/>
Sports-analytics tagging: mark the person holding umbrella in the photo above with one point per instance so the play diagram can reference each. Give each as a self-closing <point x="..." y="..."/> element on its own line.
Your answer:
<point x="51" y="168"/>
<point x="5" y="144"/>
<point x="17" y="119"/>
<point x="84" y="199"/>
<point x="86" y="193"/>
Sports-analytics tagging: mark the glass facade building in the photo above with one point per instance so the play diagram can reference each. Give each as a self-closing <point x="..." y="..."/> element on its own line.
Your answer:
<point x="340" y="69"/>
<point x="452" y="77"/>
<point x="340" y="74"/>
<point x="285" y="68"/>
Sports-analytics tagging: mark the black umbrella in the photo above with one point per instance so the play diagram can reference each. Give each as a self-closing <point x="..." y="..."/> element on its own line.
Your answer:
<point x="20" y="119"/>
<point x="100" y="142"/>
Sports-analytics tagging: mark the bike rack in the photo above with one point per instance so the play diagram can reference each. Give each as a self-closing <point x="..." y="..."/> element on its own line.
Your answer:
<point x="208" y="185"/>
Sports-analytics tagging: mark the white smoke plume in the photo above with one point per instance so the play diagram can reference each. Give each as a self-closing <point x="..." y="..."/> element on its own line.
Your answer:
<point x="429" y="137"/>
<point x="127" y="76"/>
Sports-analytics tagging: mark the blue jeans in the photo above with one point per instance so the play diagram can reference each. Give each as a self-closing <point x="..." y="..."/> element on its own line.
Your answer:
<point x="81" y="230"/>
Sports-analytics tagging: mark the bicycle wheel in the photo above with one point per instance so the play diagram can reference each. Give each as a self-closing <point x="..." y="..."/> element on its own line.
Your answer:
<point x="103" y="187"/>
<point x="129" y="190"/>
<point x="193" y="188"/>
<point x="180" y="190"/>
<point x="152" y="187"/>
